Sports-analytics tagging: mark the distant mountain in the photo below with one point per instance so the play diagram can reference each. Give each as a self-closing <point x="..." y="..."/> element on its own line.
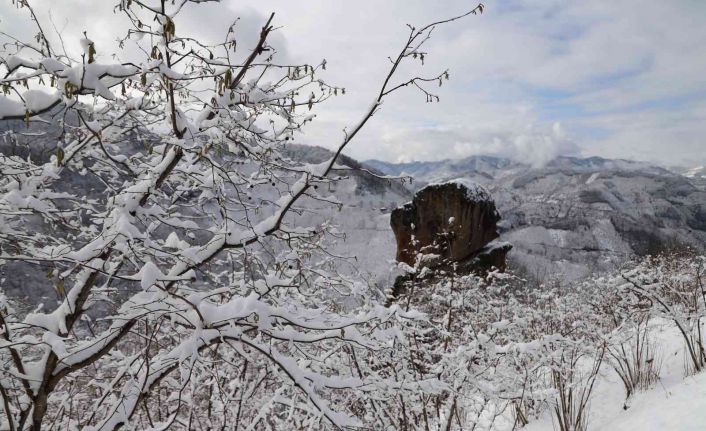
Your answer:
<point x="427" y="172"/>
<point x="697" y="175"/>
<point x="579" y="215"/>
<point x="697" y="172"/>
<point x="489" y="167"/>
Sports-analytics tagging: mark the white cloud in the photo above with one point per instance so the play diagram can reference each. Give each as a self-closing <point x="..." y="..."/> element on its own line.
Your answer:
<point x="623" y="77"/>
<point x="532" y="144"/>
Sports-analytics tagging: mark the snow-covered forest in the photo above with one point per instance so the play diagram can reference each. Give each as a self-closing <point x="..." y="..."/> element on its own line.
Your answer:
<point x="191" y="272"/>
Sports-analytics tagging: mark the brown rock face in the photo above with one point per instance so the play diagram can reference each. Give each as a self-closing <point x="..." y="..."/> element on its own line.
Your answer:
<point x="455" y="220"/>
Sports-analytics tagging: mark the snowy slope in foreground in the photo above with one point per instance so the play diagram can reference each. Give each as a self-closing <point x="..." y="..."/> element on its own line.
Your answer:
<point x="676" y="403"/>
<point x="683" y="408"/>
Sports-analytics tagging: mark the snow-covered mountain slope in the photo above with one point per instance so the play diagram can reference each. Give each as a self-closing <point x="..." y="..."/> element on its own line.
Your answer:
<point x="576" y="216"/>
<point x="361" y="235"/>
<point x="697" y="172"/>
<point x="697" y="175"/>
<point x="367" y="198"/>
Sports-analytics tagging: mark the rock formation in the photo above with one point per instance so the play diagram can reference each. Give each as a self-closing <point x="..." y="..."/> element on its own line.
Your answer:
<point x="451" y="225"/>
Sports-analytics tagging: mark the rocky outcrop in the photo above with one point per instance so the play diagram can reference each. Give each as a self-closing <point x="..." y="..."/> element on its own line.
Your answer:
<point x="449" y="224"/>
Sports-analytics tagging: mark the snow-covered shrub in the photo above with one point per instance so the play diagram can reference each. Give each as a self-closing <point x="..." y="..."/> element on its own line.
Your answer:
<point x="574" y="383"/>
<point x="508" y="352"/>
<point x="192" y="293"/>
<point x="630" y="349"/>
<point x="672" y="286"/>
<point x="571" y="351"/>
<point x="635" y="357"/>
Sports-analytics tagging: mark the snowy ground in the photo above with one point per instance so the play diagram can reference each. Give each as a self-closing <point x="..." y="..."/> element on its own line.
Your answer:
<point x="681" y="406"/>
<point x="675" y="404"/>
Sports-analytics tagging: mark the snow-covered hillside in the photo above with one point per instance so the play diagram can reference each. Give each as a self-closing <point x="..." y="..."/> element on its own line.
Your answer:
<point x="697" y="172"/>
<point x="367" y="198"/>
<point x="697" y="175"/>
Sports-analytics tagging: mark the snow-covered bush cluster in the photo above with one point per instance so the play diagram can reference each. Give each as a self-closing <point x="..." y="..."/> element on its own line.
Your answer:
<point x="510" y="352"/>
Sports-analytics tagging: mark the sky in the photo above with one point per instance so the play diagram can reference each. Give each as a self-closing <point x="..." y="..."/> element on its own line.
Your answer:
<point x="530" y="79"/>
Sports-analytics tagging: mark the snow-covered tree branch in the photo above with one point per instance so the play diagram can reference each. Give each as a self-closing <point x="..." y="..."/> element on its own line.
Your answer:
<point x="190" y="293"/>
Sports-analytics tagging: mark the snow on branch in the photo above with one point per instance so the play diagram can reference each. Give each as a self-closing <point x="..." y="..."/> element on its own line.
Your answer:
<point x="158" y="201"/>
